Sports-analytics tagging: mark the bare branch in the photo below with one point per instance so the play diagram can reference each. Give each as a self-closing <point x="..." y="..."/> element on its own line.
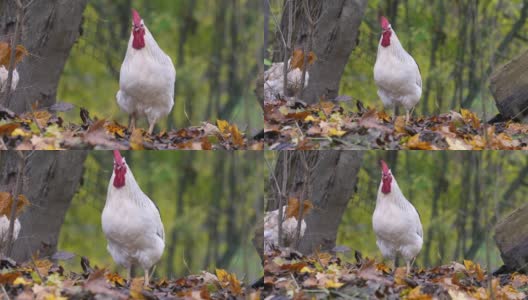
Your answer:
<point x="16" y="193"/>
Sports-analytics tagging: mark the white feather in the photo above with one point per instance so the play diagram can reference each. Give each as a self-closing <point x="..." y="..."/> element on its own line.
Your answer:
<point x="4" y="229"/>
<point x="3" y="79"/>
<point x="397" y="225"/>
<point x="146" y="82"/>
<point x="132" y="225"/>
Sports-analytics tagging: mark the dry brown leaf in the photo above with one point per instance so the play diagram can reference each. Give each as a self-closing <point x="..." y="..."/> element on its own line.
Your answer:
<point x="416" y="294"/>
<point x="399" y="125"/>
<point x="136" y="139"/>
<point x="116" y="129"/>
<point x="293" y="207"/>
<point x="7" y="129"/>
<point x="415" y="143"/>
<point x="297" y="60"/>
<point x="470" y="118"/>
<point x="5" y="54"/>
<point x="238" y="140"/>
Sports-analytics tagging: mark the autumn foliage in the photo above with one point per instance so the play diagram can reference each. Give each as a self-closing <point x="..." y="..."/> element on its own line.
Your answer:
<point x="44" y="129"/>
<point x="324" y="275"/>
<point x="327" y="125"/>
<point x="44" y="279"/>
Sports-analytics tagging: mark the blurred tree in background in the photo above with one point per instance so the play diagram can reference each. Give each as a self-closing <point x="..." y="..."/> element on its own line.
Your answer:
<point x="215" y="46"/>
<point x="209" y="204"/>
<point x="460" y="196"/>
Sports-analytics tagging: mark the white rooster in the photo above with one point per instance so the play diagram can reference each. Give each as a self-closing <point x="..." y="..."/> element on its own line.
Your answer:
<point x="396" y="222"/>
<point x="396" y="73"/>
<point x="289" y="224"/>
<point x="146" y="82"/>
<point x="131" y="222"/>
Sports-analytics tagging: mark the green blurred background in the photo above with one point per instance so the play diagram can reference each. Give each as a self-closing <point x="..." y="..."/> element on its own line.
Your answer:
<point x="209" y="204"/>
<point x="214" y="44"/>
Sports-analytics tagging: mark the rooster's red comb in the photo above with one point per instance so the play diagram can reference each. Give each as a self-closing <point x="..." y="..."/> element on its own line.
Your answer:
<point x="136" y="17"/>
<point x="384" y="167"/>
<point x="384" y="23"/>
<point x="117" y="157"/>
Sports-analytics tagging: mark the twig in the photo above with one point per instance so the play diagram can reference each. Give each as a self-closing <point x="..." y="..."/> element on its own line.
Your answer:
<point x="14" y="42"/>
<point x="5" y="293"/>
<point x="18" y="188"/>
<point x="288" y="46"/>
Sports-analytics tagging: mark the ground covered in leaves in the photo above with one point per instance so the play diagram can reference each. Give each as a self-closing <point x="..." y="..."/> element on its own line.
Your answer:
<point x="322" y="276"/>
<point x="43" y="279"/>
<point x="326" y="125"/>
<point x="44" y="129"/>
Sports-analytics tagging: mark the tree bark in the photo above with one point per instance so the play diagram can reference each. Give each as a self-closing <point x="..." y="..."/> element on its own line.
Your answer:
<point x="49" y="31"/>
<point x="332" y="182"/>
<point x="511" y="236"/>
<point x="336" y="35"/>
<point x="50" y="181"/>
<point x="509" y="87"/>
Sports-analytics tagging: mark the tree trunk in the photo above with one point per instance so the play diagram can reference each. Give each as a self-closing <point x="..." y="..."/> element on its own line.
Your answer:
<point x="509" y="87"/>
<point x="511" y="236"/>
<point x="331" y="183"/>
<point x="50" y="181"/>
<point x="335" y="36"/>
<point x="49" y="31"/>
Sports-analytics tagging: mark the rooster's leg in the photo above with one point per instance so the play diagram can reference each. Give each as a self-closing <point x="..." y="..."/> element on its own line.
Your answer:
<point x="129" y="275"/>
<point x="146" y="283"/>
<point x="151" y="127"/>
<point x="132" y="122"/>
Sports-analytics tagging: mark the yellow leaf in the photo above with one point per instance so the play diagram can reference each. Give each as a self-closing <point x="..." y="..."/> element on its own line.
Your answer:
<point x="21" y="280"/>
<point x="399" y="276"/>
<point x="7" y="129"/>
<point x="238" y="140"/>
<point x="470" y="118"/>
<point x="416" y="294"/>
<point x="306" y="269"/>
<point x="416" y="144"/>
<point x="383" y="268"/>
<point x="136" y="140"/>
<point x="223" y="126"/>
<point x="335" y="132"/>
<point x="116" y="129"/>
<point x="20" y="132"/>
<point x="42" y="117"/>
<point x="136" y="286"/>
<point x="115" y="279"/>
<point x="330" y="284"/>
<point x="229" y="280"/>
<point x="309" y="118"/>
<point x="399" y="124"/>
<point x="222" y="275"/>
